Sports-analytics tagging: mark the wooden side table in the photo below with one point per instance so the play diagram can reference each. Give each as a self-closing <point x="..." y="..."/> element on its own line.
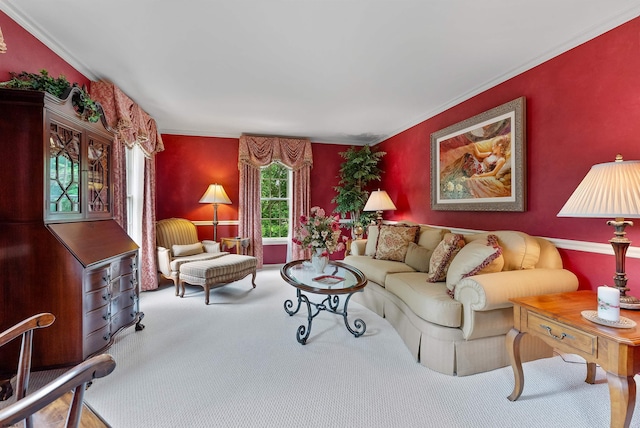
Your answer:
<point x="241" y="244"/>
<point x="557" y="320"/>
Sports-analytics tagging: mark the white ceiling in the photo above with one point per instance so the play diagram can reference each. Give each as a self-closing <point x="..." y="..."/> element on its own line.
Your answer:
<point x="340" y="71"/>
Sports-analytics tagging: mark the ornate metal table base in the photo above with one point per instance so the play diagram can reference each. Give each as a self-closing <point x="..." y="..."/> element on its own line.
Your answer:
<point x="330" y="304"/>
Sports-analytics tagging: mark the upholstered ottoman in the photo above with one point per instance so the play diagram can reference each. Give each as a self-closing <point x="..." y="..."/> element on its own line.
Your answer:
<point x="217" y="272"/>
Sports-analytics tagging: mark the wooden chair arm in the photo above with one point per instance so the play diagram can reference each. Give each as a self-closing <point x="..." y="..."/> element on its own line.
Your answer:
<point x="25" y="329"/>
<point x="76" y="378"/>
<point x="36" y="321"/>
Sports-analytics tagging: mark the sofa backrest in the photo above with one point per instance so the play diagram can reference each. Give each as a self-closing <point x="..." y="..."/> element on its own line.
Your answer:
<point x="549" y="255"/>
<point x="428" y="237"/>
<point x="522" y="251"/>
<point x="175" y="231"/>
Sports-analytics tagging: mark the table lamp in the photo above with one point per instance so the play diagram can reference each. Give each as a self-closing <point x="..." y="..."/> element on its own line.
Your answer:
<point x="611" y="190"/>
<point x="215" y="195"/>
<point x="379" y="201"/>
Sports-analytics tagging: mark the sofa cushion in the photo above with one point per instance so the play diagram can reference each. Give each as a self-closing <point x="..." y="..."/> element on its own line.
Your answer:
<point x="187" y="249"/>
<point x="178" y="261"/>
<point x="429" y="301"/>
<point x="418" y="257"/>
<point x="430" y="237"/>
<point x="477" y="257"/>
<point x="393" y="242"/>
<point x="372" y="240"/>
<point x="376" y="270"/>
<point x="443" y="255"/>
<point x="211" y="246"/>
<point x="520" y="251"/>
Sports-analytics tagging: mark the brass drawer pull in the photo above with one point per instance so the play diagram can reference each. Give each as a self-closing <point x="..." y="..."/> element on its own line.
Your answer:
<point x="562" y="336"/>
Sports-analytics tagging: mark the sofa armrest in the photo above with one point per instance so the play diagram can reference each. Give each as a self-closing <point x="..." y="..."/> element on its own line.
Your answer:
<point x="493" y="290"/>
<point x="480" y="294"/>
<point x="358" y="246"/>
<point x="164" y="260"/>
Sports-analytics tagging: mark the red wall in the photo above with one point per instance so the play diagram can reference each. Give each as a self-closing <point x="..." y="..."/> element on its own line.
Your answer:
<point x="189" y="164"/>
<point x="26" y="53"/>
<point x="581" y="110"/>
<point x="184" y="171"/>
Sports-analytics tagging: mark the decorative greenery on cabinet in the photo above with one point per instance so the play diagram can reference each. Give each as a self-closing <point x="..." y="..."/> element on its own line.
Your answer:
<point x="59" y="87"/>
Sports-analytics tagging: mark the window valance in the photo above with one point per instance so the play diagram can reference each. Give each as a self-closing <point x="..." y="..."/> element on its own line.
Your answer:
<point x="261" y="151"/>
<point x="132" y="124"/>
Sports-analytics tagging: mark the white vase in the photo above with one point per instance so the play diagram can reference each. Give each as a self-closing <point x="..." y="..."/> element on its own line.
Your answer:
<point x="318" y="261"/>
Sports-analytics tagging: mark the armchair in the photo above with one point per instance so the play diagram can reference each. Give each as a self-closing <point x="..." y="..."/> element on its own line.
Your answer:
<point x="76" y="379"/>
<point x="177" y="243"/>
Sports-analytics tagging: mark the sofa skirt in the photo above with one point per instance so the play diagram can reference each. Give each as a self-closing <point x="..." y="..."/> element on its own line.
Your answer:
<point x="444" y="349"/>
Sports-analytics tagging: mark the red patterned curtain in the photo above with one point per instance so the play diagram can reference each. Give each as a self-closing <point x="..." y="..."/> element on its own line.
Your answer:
<point x="133" y="126"/>
<point x="258" y="151"/>
<point x="3" y="45"/>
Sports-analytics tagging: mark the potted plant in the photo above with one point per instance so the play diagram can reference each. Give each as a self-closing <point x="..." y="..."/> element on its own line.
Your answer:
<point x="360" y="167"/>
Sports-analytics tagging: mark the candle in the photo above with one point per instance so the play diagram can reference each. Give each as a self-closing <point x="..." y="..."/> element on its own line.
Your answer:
<point x="609" y="303"/>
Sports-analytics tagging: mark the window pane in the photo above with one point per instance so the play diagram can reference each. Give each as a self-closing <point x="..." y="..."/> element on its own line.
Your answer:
<point x="274" y="201"/>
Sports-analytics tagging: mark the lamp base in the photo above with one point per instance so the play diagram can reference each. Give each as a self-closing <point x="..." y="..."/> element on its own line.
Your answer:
<point x="620" y="243"/>
<point x="629" y="302"/>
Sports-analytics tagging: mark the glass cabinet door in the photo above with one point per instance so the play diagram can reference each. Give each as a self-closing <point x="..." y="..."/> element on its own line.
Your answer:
<point x="64" y="170"/>
<point x="99" y="195"/>
<point x="78" y="165"/>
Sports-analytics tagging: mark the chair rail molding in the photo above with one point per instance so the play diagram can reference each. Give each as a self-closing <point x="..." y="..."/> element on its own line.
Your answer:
<point x="573" y="245"/>
<point x="220" y="222"/>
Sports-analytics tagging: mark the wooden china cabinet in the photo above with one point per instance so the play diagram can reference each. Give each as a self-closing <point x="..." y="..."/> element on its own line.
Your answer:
<point x="60" y="249"/>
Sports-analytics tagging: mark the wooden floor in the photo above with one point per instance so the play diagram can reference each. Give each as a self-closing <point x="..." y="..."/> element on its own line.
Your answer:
<point x="55" y="415"/>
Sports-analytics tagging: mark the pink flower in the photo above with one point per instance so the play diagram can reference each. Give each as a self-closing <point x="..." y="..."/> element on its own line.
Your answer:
<point x="335" y="227"/>
<point x="303" y="219"/>
<point x="340" y="246"/>
<point x="325" y="253"/>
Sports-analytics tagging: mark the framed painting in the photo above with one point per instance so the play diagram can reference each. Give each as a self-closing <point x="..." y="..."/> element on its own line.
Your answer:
<point x="479" y="164"/>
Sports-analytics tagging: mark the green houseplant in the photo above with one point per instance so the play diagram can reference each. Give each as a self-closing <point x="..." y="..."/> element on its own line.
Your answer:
<point x="59" y="87"/>
<point x="360" y="168"/>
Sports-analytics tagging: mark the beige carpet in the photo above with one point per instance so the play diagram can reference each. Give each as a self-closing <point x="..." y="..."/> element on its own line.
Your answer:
<point x="236" y="363"/>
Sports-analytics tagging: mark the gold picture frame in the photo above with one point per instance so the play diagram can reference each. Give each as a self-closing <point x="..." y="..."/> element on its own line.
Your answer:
<point x="479" y="164"/>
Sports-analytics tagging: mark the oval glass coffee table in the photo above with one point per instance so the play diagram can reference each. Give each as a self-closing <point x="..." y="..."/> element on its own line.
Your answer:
<point x="337" y="279"/>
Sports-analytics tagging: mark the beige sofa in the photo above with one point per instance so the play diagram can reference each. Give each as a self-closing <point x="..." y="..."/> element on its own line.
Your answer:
<point x="457" y="326"/>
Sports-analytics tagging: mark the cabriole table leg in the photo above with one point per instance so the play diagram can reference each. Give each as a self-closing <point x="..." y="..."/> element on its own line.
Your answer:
<point x="622" y="392"/>
<point x="513" y="348"/>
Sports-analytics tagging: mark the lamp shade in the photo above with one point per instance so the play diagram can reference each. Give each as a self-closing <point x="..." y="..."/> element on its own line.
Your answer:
<point x="379" y="200"/>
<point x="215" y="194"/>
<point x="609" y="190"/>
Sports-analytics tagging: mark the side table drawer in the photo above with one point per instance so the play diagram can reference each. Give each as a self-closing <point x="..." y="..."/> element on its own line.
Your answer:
<point x="566" y="335"/>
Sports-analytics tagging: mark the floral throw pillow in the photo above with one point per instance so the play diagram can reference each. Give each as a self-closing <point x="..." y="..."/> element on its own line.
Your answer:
<point x="393" y="242"/>
<point x="442" y="256"/>
<point x="483" y="255"/>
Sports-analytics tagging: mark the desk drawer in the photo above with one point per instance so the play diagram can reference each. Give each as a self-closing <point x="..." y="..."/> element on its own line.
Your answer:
<point x="568" y="336"/>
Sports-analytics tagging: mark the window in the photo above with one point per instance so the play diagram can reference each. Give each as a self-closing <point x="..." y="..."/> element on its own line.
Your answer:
<point x="135" y="192"/>
<point x="275" y="201"/>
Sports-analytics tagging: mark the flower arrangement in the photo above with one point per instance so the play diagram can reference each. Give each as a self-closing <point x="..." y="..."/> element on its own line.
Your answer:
<point x="319" y="231"/>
